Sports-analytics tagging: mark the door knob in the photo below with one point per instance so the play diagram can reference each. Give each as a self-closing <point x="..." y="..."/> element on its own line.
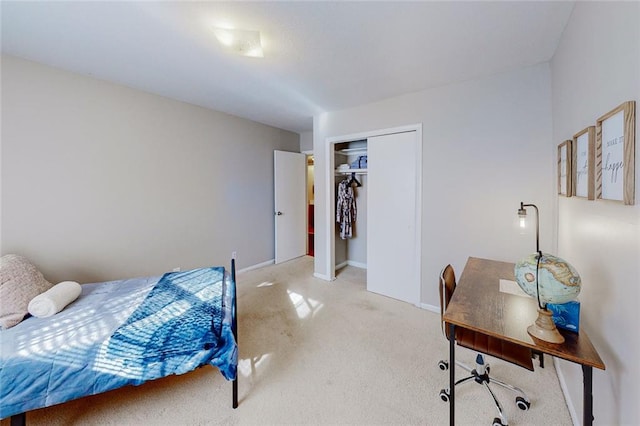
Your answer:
<point x="279" y="213"/>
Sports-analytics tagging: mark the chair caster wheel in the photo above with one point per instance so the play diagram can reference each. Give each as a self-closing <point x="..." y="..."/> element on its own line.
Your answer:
<point x="444" y="395"/>
<point x="443" y="365"/>
<point x="497" y="422"/>
<point x="522" y="403"/>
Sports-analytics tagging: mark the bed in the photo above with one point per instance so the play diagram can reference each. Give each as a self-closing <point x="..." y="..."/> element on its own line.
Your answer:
<point x="120" y="333"/>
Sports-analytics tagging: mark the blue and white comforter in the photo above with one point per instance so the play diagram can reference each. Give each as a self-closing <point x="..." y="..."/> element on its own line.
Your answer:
<point x="119" y="333"/>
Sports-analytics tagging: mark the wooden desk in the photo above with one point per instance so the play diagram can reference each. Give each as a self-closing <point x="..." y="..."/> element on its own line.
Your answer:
<point x="477" y="304"/>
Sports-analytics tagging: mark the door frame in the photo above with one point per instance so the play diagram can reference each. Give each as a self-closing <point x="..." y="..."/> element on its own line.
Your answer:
<point x="306" y="200"/>
<point x="330" y="193"/>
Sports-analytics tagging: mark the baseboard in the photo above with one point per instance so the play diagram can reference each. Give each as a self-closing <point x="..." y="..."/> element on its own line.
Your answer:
<point x="342" y="265"/>
<point x="259" y="265"/>
<point x="565" y="391"/>
<point x="431" y="308"/>
<point x="323" y="276"/>
<point x="357" y="264"/>
<point x="351" y="263"/>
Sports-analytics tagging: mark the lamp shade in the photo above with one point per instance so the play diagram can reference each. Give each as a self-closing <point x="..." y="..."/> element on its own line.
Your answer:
<point x="558" y="281"/>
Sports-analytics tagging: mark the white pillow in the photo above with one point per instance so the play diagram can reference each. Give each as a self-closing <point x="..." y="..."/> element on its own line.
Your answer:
<point x="20" y="281"/>
<point x="55" y="299"/>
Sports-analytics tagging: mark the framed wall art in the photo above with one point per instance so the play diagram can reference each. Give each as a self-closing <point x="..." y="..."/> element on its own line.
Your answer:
<point x="583" y="163"/>
<point x="564" y="168"/>
<point x="615" y="154"/>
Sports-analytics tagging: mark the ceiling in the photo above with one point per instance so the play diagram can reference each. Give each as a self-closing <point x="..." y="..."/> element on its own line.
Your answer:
<point x="318" y="56"/>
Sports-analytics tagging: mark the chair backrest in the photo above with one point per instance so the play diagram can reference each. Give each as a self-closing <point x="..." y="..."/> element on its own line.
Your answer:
<point x="446" y="287"/>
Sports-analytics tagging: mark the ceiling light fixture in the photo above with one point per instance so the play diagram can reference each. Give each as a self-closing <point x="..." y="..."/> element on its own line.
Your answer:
<point x="243" y="42"/>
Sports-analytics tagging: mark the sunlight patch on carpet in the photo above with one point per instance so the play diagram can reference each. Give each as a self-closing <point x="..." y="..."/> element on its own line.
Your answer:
<point x="305" y="307"/>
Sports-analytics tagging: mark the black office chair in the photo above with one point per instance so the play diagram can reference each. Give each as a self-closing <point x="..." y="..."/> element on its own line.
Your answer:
<point x="484" y="344"/>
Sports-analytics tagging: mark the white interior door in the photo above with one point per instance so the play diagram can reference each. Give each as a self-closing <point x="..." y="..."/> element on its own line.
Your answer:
<point x="393" y="215"/>
<point x="290" y="171"/>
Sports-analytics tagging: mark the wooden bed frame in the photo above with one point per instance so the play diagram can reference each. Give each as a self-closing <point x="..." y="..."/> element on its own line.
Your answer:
<point x="21" y="419"/>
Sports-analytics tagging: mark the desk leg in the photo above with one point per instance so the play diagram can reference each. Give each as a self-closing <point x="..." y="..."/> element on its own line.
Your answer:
<point x="452" y="374"/>
<point x="587" y="395"/>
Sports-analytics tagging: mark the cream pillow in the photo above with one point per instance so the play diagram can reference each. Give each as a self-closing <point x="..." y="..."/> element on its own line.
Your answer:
<point x="20" y="281"/>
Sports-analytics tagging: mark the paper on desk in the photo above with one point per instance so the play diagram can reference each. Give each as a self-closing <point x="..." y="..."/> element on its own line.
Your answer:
<point x="511" y="287"/>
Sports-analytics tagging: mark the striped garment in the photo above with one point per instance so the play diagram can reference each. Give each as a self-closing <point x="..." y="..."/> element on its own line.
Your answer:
<point x="346" y="209"/>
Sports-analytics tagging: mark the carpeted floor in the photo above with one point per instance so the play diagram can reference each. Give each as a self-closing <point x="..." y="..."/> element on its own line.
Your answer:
<point x="314" y="352"/>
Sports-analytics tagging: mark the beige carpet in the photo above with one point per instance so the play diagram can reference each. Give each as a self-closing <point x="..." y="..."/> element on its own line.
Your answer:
<point x="314" y="352"/>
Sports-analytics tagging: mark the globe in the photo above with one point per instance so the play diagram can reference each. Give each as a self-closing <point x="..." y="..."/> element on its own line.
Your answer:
<point x="558" y="281"/>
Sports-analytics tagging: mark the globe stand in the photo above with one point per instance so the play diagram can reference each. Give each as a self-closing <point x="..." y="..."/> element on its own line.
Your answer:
<point x="544" y="328"/>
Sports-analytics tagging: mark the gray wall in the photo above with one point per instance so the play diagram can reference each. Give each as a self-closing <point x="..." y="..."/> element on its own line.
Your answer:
<point x="597" y="67"/>
<point x="100" y="181"/>
<point x="485" y="148"/>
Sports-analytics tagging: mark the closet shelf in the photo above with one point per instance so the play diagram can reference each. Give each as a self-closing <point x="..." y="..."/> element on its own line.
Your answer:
<point x="353" y="151"/>
<point x="349" y="171"/>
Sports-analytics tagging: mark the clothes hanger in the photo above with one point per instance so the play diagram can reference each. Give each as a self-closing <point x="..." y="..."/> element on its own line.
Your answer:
<point x="354" y="180"/>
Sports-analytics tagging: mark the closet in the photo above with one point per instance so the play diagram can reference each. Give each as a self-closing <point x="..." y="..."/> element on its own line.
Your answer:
<point x="386" y="236"/>
<point x="351" y="167"/>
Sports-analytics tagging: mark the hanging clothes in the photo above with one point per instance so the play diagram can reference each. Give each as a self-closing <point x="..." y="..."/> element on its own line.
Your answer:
<point x="346" y="209"/>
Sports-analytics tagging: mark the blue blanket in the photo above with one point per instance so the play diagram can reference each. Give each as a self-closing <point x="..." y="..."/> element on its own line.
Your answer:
<point x="119" y="333"/>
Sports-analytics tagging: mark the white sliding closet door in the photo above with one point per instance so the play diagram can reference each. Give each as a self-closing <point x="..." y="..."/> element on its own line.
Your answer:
<point x="392" y="242"/>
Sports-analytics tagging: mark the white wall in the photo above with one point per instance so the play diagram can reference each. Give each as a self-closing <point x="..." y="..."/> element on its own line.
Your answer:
<point x="595" y="68"/>
<point x="306" y="141"/>
<point x="100" y="181"/>
<point x="486" y="147"/>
